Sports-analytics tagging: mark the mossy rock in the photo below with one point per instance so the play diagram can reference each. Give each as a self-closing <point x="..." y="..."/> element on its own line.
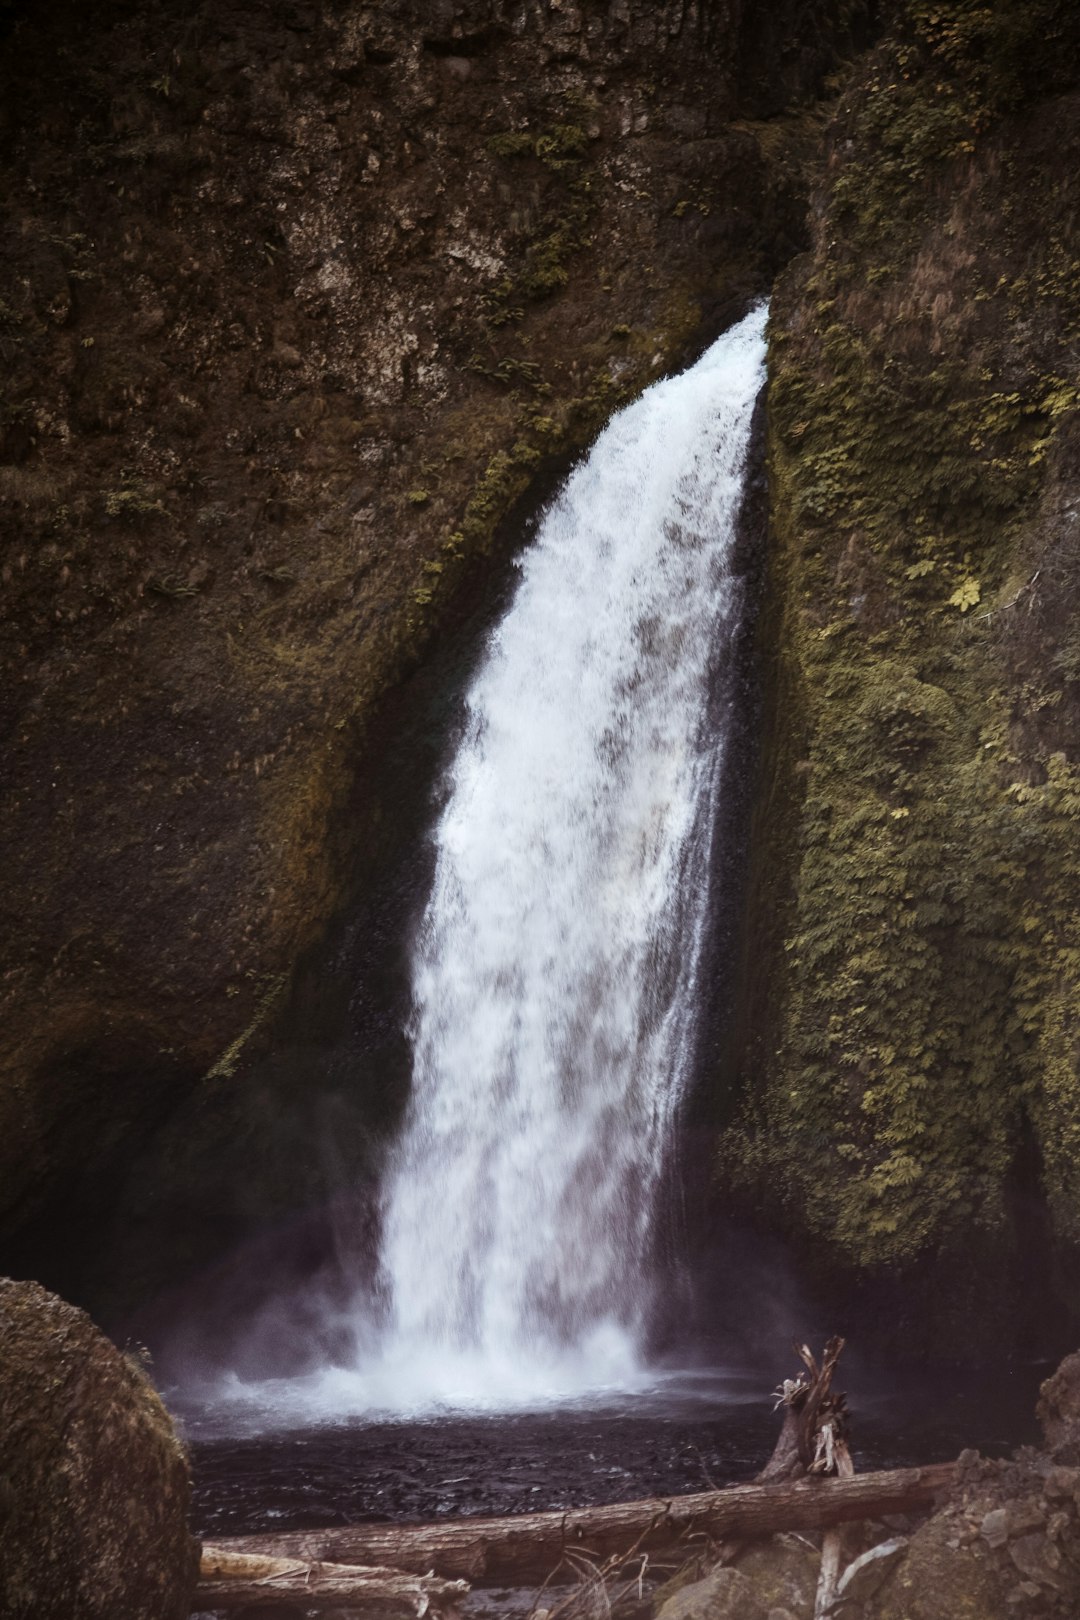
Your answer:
<point x="94" y="1484"/>
<point x="724" y="1594"/>
<point x="937" y="1580"/>
<point x="784" y="1571"/>
<point x="909" y="1084"/>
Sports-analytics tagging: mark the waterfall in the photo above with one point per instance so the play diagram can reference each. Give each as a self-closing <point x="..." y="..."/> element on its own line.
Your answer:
<point x="556" y="968"/>
<point x="555" y="975"/>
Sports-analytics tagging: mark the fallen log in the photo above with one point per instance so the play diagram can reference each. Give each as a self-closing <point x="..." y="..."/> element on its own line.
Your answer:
<point x="525" y="1548"/>
<point x="234" y="1580"/>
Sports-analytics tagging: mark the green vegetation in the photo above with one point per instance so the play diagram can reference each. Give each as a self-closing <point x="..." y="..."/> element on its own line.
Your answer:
<point x="559" y="148"/>
<point x="132" y="500"/>
<point x="562" y="227"/>
<point x="927" y="752"/>
<point x="171" y="588"/>
<point x="505" y="479"/>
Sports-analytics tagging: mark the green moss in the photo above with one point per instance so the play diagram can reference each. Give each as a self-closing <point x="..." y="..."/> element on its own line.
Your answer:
<point x="505" y="478"/>
<point x="270" y="1000"/>
<point x="511" y="144"/>
<point x="562" y="145"/>
<point x="546" y="266"/>
<point x="133" y="500"/>
<point x="512" y="370"/>
<point x="562" y="227"/>
<point x="171" y="587"/>
<point x="925" y="986"/>
<point x="928" y="95"/>
<point x="558" y="148"/>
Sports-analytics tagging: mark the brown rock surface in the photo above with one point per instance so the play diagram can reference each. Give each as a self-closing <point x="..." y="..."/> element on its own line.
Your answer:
<point x="784" y="1570"/>
<point x="295" y="301"/>
<point x="724" y="1594"/>
<point x="1007" y="1543"/>
<point x="93" y="1482"/>
<point x="935" y="1579"/>
<point x="1058" y="1410"/>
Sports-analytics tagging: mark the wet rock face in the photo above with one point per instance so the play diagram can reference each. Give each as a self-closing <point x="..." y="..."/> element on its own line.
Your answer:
<point x="93" y="1482"/>
<point x="295" y="302"/>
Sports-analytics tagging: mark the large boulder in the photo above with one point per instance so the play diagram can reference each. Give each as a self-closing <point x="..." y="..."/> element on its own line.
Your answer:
<point x="943" y="1576"/>
<point x="1058" y="1410"/>
<point x="94" y="1483"/>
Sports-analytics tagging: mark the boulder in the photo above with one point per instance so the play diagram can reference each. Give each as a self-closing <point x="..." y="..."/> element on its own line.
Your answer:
<point x="940" y="1578"/>
<point x="784" y="1571"/>
<point x="1058" y="1410"/>
<point x="1007" y="1543"/>
<point x="724" y="1594"/>
<point x="94" y="1483"/>
<point x="866" y="1574"/>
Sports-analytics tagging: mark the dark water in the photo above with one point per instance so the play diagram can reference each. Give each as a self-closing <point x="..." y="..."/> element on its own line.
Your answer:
<point x="688" y="1435"/>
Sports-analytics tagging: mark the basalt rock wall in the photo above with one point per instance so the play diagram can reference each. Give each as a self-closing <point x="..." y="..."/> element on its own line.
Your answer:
<point x="296" y="302"/>
<point x="910" y="1096"/>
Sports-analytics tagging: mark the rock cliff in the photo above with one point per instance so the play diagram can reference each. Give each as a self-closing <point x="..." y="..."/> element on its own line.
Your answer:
<point x="297" y="301"/>
<point x="301" y="307"/>
<point x="912" y="1103"/>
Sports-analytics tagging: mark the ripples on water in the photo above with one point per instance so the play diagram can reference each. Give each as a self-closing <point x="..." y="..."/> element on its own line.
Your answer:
<point x="686" y="1435"/>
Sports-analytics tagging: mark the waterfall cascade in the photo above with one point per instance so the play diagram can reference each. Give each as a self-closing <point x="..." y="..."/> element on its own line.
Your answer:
<point x="555" y="973"/>
<point x="555" y="977"/>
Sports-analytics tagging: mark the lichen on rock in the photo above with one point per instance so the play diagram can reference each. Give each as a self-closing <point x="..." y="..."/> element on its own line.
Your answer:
<point x="723" y="1594"/>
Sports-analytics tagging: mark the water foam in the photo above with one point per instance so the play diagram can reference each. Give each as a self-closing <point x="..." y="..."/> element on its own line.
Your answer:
<point x="555" y="978"/>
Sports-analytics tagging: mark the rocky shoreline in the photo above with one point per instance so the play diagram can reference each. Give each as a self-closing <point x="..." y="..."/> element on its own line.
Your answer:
<point x="95" y="1500"/>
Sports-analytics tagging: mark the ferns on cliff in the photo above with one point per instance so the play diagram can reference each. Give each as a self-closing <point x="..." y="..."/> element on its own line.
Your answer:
<point x="929" y="754"/>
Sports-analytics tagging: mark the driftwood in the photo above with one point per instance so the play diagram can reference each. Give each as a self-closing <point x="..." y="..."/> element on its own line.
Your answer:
<point x="524" y="1548"/>
<point x="832" y="1544"/>
<point x="808" y="1483"/>
<point x="814" y="1441"/>
<point x="232" y="1580"/>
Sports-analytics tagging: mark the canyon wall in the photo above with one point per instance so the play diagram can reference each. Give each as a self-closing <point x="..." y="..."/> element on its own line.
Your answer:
<point x="296" y="302"/>
<point x="302" y="308"/>
<point x="911" y="1101"/>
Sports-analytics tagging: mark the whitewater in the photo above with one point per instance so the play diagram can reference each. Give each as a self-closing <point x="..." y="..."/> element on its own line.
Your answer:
<point x="556" y="973"/>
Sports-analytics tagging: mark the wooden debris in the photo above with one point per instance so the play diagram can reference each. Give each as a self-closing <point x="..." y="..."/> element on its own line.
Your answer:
<point x="814" y="1435"/>
<point x="814" y="1442"/>
<point x="388" y="1571"/>
<point x="524" y="1548"/>
<point x="234" y="1580"/>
